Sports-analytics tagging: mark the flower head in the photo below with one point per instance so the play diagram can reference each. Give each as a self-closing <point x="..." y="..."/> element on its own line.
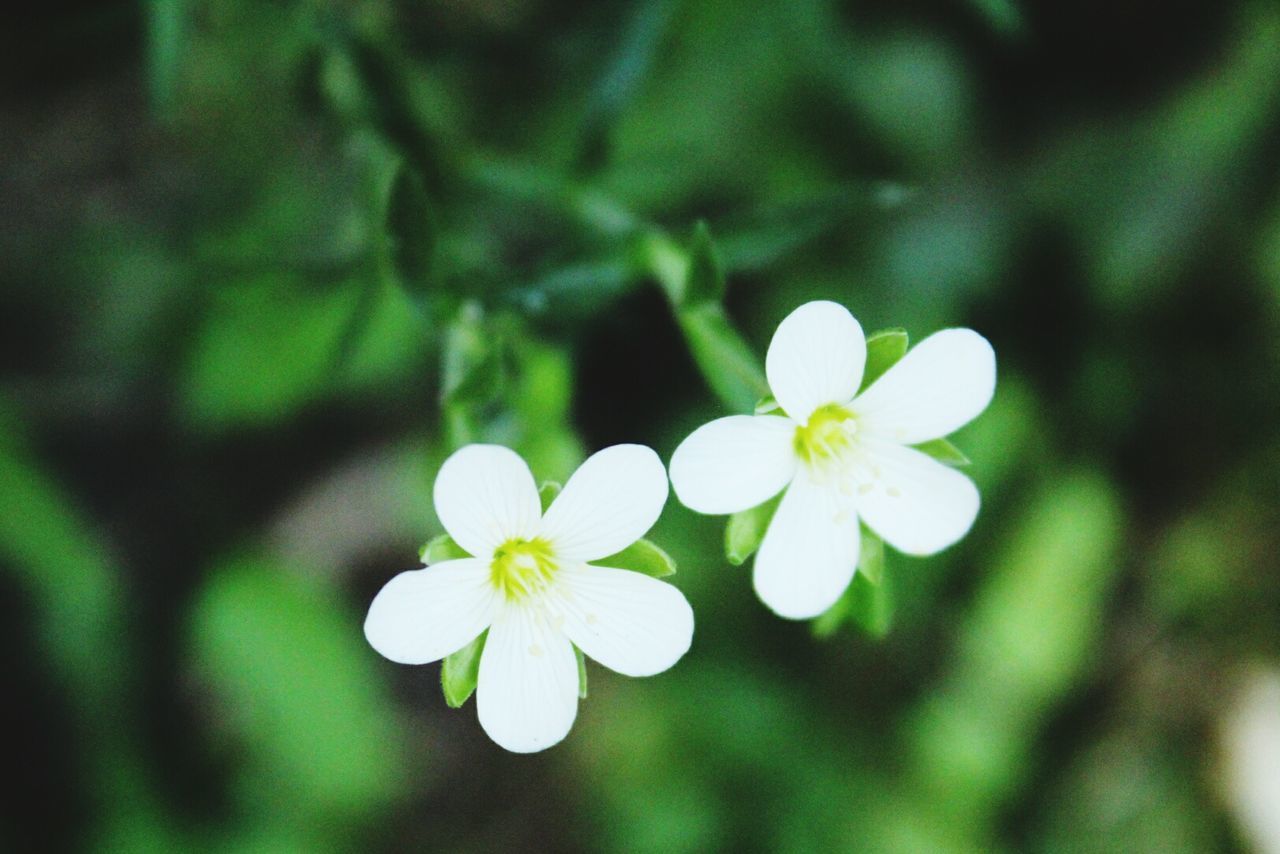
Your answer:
<point x="841" y="456"/>
<point x="531" y="583"/>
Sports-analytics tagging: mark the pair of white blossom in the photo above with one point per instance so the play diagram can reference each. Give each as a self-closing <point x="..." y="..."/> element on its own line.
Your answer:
<point x="843" y="459"/>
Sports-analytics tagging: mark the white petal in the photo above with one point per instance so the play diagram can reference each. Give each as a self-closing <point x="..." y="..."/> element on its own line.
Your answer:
<point x="424" y="614"/>
<point x="937" y="388"/>
<point x="484" y="496"/>
<point x="919" y="506"/>
<point x="608" y="503"/>
<point x="816" y="357"/>
<point x="734" y="463"/>
<point x="627" y="621"/>
<point x="527" y="692"/>
<point x="810" y="551"/>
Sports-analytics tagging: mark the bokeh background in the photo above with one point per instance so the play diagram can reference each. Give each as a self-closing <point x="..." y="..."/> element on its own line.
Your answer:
<point x="262" y="264"/>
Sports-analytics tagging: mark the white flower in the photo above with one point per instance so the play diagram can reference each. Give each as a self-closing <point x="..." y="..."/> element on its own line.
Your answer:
<point x="530" y="583"/>
<point x="841" y="458"/>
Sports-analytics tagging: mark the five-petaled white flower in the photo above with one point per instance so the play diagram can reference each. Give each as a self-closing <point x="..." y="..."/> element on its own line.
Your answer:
<point x="530" y="583"/>
<point x="841" y="458"/>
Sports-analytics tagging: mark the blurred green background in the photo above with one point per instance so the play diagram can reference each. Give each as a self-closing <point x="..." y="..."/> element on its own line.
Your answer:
<point x="263" y="264"/>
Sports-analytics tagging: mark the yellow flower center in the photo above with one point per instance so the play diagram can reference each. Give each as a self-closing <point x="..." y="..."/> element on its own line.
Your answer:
<point x="828" y="435"/>
<point x="522" y="567"/>
<point x="836" y="458"/>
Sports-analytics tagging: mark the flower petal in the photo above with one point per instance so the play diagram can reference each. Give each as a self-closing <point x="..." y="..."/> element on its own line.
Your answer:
<point x="919" y="506"/>
<point x="608" y="503"/>
<point x="424" y="614"/>
<point x="630" y="623"/>
<point x="810" y="551"/>
<point x="484" y="496"/>
<point x="816" y="357"/>
<point x="527" y="691"/>
<point x="938" y="387"/>
<point x="734" y="463"/>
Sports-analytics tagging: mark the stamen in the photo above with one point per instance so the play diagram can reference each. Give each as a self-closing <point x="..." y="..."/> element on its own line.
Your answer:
<point x="522" y="568"/>
<point x="828" y="435"/>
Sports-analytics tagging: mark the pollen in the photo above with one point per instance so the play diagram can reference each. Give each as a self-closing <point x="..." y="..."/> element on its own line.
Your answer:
<point x="521" y="568"/>
<point x="830" y="445"/>
<point x="828" y="435"/>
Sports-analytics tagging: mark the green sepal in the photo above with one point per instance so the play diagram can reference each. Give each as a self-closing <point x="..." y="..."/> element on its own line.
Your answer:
<point x="693" y="279"/>
<point x="745" y="530"/>
<point x="460" y="670"/>
<point x="582" y="673"/>
<point x="704" y="277"/>
<point x="768" y="405"/>
<point x="884" y="349"/>
<point x="825" y="624"/>
<point x="871" y="557"/>
<point x="641" y="556"/>
<point x="867" y="601"/>
<point x="944" y="452"/>
<point x="871" y="606"/>
<point x="471" y="369"/>
<point x="548" y="492"/>
<point x="441" y="548"/>
<point x="473" y="374"/>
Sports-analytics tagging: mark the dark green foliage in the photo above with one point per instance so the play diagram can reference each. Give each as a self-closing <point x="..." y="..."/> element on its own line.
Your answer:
<point x="264" y="265"/>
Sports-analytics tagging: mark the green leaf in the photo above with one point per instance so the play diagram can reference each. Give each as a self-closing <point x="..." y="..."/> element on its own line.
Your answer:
<point x="336" y="84"/>
<point x="642" y="556"/>
<point x="724" y="359"/>
<point x="1003" y="16"/>
<point x="578" y="291"/>
<point x="267" y="346"/>
<point x="52" y="551"/>
<point x="582" y="673"/>
<point x="548" y="492"/>
<point x="704" y="277"/>
<point x="405" y="109"/>
<point x="745" y="530"/>
<point x="410" y="231"/>
<point x="75" y="618"/>
<point x="460" y="670"/>
<point x="884" y="349"/>
<point x="622" y="79"/>
<point x="167" y="46"/>
<point x="1029" y="638"/>
<point x="943" y="451"/>
<point x="300" y="690"/>
<point x="768" y="405"/>
<point x="441" y="548"/>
